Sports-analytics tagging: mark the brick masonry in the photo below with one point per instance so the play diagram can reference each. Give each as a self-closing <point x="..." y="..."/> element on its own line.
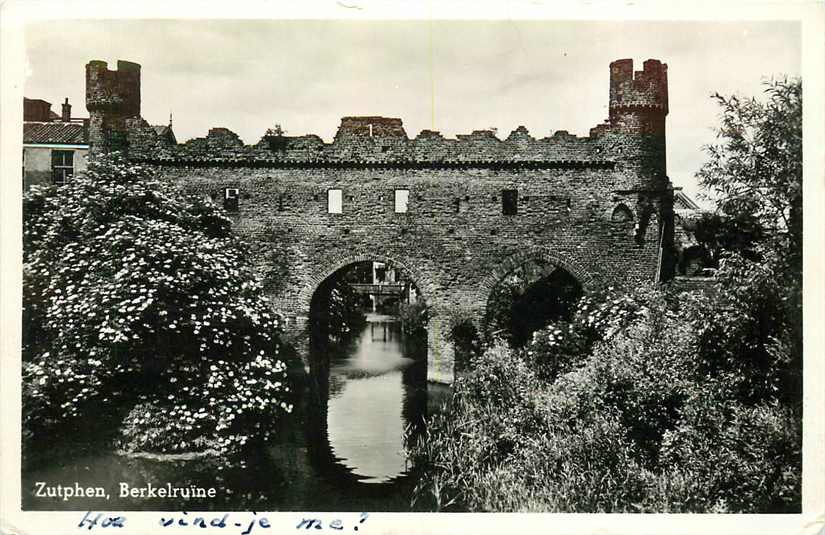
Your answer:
<point x="455" y="242"/>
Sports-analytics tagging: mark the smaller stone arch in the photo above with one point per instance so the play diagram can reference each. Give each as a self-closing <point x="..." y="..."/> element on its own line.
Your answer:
<point x="513" y="261"/>
<point x="550" y="259"/>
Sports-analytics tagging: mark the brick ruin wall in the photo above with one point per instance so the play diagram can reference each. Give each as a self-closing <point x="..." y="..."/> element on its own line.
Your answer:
<point x="454" y="241"/>
<point x="565" y="215"/>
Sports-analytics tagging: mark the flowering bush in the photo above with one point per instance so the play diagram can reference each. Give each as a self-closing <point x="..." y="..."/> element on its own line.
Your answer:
<point x="133" y="291"/>
<point x="216" y="415"/>
<point x="560" y="346"/>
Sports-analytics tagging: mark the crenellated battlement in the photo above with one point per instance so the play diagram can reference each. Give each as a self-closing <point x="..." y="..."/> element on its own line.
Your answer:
<point x="632" y="137"/>
<point x="115" y="92"/>
<point x="388" y="145"/>
<point x="370" y="126"/>
<point x="638" y="104"/>
<point x="640" y="89"/>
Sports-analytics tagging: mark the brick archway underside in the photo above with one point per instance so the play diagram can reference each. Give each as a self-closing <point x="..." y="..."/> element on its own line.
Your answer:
<point x="322" y="272"/>
<point x="538" y="255"/>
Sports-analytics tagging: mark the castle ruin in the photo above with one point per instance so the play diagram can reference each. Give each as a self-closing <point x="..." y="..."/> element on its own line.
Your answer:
<point x="477" y="207"/>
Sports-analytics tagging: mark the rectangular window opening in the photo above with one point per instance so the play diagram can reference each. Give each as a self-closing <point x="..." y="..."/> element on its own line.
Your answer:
<point x="509" y="202"/>
<point x="402" y="199"/>
<point x="335" y="201"/>
<point x="230" y="199"/>
<point x="62" y="166"/>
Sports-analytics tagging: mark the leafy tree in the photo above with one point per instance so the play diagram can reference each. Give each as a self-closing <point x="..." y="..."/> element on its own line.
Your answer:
<point x="335" y="313"/>
<point x="719" y="234"/>
<point x="755" y="172"/>
<point x="414" y="318"/>
<point x="755" y="169"/>
<point x="134" y="293"/>
<point x="344" y="311"/>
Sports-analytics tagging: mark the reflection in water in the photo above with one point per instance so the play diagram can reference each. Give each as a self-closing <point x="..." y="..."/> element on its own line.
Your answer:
<point x="365" y="422"/>
<point x="340" y="451"/>
<point x="368" y="392"/>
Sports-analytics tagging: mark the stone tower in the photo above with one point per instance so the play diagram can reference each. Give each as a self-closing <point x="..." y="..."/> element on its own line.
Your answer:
<point x="112" y="98"/>
<point x="638" y="108"/>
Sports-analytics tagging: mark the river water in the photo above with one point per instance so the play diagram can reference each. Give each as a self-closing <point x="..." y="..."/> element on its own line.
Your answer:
<point x="341" y="450"/>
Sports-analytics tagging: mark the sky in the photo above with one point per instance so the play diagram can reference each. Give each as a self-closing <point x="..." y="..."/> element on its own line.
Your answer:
<point x="450" y="76"/>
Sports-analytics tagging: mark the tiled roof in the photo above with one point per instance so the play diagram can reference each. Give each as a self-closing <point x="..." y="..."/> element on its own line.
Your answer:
<point x="56" y="132"/>
<point x="682" y="201"/>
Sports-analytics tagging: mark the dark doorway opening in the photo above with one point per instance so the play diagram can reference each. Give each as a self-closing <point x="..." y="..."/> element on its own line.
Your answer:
<point x="529" y="298"/>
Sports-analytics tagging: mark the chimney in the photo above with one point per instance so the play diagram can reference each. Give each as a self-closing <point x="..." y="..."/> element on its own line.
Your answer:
<point x="66" y="116"/>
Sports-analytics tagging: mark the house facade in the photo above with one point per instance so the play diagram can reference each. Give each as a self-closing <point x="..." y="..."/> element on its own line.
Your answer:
<point x="54" y="146"/>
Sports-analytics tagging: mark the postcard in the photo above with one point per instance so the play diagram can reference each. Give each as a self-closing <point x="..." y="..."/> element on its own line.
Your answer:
<point x="378" y="268"/>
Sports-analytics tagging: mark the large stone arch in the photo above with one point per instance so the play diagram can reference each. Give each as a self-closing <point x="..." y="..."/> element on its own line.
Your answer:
<point x="440" y="354"/>
<point x="324" y="270"/>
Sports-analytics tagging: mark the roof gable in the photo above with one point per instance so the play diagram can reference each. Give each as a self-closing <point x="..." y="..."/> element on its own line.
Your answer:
<point x="683" y="202"/>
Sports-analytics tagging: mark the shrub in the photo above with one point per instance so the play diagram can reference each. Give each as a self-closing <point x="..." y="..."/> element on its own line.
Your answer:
<point x="750" y="330"/>
<point x="651" y="409"/>
<point x="726" y="457"/>
<point x="506" y="443"/>
<point x="562" y="345"/>
<point x="134" y="291"/>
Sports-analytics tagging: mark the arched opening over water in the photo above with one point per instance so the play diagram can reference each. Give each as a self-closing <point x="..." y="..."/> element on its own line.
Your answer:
<point x="528" y="297"/>
<point x="357" y="291"/>
<point x="367" y="374"/>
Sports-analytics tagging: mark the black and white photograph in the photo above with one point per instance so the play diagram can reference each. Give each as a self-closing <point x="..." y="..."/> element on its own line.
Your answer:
<point x="417" y="265"/>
